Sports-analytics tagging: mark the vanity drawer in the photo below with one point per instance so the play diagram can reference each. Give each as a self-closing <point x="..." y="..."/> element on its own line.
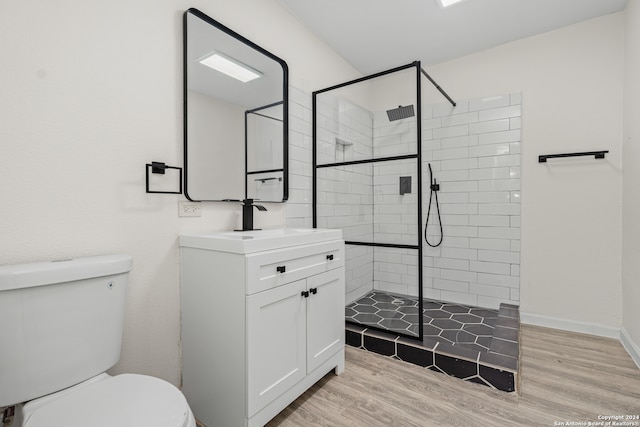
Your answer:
<point x="266" y="270"/>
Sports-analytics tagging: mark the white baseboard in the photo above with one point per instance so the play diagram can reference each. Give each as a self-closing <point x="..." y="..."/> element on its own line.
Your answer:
<point x="632" y="348"/>
<point x="585" y="328"/>
<point x="570" y="325"/>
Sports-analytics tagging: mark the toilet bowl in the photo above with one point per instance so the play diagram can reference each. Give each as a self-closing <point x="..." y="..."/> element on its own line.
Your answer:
<point x="126" y="400"/>
<point x="63" y="322"/>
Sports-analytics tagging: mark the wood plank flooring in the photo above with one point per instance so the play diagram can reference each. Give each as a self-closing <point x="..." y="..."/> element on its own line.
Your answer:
<point x="566" y="378"/>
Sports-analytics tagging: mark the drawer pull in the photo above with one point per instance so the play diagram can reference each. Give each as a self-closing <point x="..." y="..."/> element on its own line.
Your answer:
<point x="305" y="294"/>
<point x="313" y="290"/>
<point x="281" y="269"/>
<point x="330" y="257"/>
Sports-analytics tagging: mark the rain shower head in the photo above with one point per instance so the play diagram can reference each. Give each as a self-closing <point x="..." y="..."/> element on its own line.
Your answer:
<point x="400" y="113"/>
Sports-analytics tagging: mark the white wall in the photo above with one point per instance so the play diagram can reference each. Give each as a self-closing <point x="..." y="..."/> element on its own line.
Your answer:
<point x="570" y="81"/>
<point x="211" y="164"/>
<point x="631" y="179"/>
<point x="90" y="91"/>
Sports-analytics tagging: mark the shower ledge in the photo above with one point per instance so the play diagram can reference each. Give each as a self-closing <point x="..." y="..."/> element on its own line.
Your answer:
<point x="492" y="369"/>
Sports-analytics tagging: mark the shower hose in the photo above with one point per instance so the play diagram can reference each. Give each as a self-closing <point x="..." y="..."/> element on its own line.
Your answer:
<point x="435" y="187"/>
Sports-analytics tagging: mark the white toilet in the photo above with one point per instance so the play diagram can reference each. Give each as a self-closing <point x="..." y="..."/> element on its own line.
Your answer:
<point x="61" y="327"/>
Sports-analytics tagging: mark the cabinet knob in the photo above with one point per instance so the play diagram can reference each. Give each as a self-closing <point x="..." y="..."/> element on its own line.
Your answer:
<point x="313" y="290"/>
<point x="305" y="294"/>
<point x="330" y="257"/>
<point x="281" y="268"/>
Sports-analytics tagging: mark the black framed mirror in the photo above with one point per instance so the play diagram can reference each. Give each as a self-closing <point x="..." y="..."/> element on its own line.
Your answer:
<point x="235" y="115"/>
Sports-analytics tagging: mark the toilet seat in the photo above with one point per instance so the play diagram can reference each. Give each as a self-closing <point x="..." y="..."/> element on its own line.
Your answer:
<point x="126" y="400"/>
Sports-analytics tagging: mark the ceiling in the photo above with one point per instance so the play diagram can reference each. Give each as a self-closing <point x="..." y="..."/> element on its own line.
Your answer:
<point x="374" y="35"/>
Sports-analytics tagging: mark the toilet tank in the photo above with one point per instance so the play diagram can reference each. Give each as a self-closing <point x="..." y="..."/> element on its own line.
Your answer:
<point x="61" y="323"/>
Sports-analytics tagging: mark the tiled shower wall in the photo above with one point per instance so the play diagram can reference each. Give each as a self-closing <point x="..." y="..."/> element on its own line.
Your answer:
<point x="395" y="214"/>
<point x="474" y="151"/>
<point x="299" y="205"/>
<point x="345" y="193"/>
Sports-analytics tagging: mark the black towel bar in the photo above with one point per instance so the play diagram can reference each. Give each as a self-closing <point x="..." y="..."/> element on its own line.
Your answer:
<point x="273" y="178"/>
<point x="597" y="154"/>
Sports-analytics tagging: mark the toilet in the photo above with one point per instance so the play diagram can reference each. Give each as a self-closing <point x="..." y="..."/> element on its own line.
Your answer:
<point x="61" y="324"/>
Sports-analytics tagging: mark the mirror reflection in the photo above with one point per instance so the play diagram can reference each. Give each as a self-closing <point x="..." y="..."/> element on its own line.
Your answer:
<point x="235" y="115"/>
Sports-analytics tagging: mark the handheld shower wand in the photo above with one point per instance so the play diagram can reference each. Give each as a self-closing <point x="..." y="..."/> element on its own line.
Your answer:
<point x="435" y="187"/>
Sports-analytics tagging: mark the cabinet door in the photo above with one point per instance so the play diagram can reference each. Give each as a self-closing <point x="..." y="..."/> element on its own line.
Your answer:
<point x="325" y="316"/>
<point x="276" y="331"/>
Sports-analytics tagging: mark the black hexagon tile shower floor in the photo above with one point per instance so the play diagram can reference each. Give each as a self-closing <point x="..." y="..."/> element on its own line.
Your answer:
<point x="454" y="324"/>
<point x="474" y="344"/>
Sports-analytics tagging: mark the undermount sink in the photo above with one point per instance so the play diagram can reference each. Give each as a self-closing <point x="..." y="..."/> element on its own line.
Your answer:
<point x="257" y="240"/>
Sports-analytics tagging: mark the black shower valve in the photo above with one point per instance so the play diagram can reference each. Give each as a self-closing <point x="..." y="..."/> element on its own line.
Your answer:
<point x="435" y="186"/>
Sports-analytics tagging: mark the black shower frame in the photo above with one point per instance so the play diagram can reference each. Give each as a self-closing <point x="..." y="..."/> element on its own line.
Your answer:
<point x="417" y="156"/>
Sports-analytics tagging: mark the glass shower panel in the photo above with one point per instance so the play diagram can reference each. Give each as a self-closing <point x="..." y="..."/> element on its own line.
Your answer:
<point x="395" y="202"/>
<point x="359" y="267"/>
<point x="345" y="200"/>
<point x="392" y="301"/>
<point x="367" y="183"/>
<point x="367" y="120"/>
<point x="264" y="152"/>
<point x="264" y="139"/>
<point x="344" y="130"/>
<point x="370" y="202"/>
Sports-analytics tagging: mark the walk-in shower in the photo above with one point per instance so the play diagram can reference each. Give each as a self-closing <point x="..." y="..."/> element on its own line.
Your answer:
<point x="444" y="284"/>
<point x="366" y="157"/>
<point x="371" y="187"/>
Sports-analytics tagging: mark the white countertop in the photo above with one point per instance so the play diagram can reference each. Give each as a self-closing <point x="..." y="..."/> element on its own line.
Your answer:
<point x="244" y="242"/>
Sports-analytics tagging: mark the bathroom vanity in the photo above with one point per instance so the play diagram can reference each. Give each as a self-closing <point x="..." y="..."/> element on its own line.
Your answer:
<point x="262" y="320"/>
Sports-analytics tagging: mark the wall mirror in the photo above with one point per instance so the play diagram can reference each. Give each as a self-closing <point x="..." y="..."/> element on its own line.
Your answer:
<point x="235" y="115"/>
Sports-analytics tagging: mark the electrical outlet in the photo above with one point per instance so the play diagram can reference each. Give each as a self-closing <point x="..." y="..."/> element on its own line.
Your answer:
<point x="189" y="209"/>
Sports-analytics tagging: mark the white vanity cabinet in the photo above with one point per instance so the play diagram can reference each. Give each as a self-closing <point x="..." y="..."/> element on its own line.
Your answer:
<point x="262" y="320"/>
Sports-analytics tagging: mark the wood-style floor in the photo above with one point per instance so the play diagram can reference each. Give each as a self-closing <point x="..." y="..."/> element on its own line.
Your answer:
<point x="566" y="378"/>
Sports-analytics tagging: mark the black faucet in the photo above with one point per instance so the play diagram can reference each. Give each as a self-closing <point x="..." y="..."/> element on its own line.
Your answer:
<point x="247" y="214"/>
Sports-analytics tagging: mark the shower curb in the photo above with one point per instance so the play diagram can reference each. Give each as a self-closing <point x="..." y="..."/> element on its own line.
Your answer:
<point x="496" y="368"/>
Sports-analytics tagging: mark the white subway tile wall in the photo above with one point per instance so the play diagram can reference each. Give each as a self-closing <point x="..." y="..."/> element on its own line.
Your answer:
<point x="345" y="197"/>
<point x="358" y="271"/>
<point x="299" y="205"/>
<point x="474" y="152"/>
<point x="475" y="156"/>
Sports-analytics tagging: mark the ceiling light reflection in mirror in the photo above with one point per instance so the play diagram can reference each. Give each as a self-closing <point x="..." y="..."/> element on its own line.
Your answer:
<point x="231" y="67"/>
<point x="447" y="3"/>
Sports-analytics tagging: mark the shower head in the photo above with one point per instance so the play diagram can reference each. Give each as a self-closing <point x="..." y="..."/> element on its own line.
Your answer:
<point x="400" y="113"/>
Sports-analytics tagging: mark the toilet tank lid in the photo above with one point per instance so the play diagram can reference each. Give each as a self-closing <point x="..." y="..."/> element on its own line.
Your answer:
<point x="20" y="276"/>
